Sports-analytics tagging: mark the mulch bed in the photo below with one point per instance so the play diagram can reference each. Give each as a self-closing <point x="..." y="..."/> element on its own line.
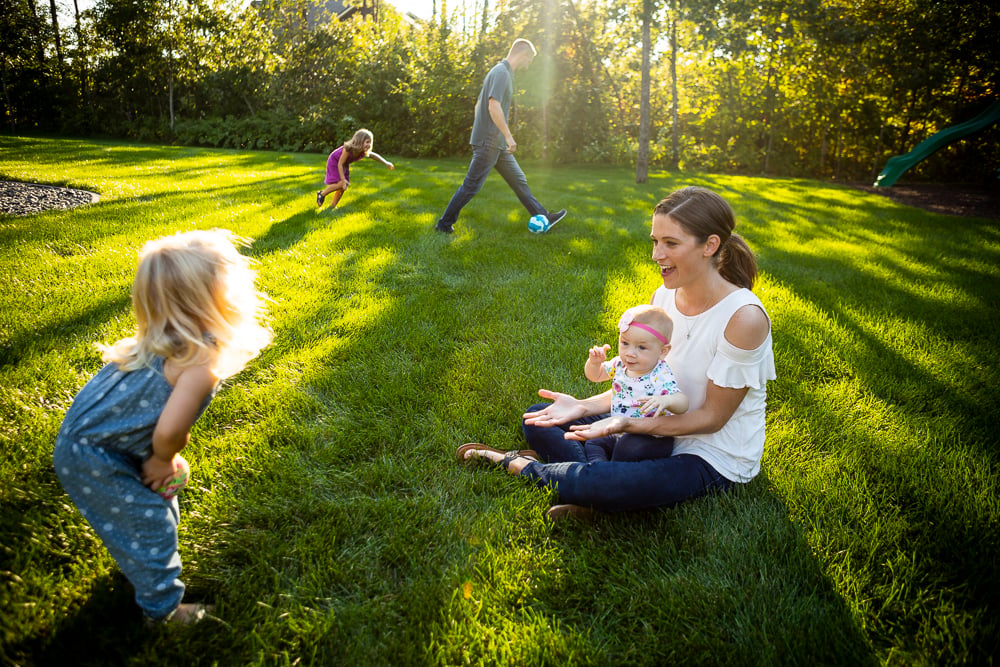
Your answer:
<point x="965" y="200"/>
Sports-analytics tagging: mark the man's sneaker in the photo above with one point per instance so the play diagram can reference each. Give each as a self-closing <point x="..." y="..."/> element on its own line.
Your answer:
<point x="441" y="226"/>
<point x="556" y="217"/>
<point x="319" y="198"/>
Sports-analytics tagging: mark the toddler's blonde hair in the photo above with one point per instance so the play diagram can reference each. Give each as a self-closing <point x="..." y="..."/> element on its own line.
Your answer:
<point x="195" y="302"/>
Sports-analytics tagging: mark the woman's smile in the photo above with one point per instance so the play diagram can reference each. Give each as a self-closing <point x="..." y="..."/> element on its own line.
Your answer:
<point x="674" y="250"/>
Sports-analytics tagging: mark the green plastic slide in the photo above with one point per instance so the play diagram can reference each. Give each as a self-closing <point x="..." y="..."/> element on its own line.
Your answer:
<point x="897" y="166"/>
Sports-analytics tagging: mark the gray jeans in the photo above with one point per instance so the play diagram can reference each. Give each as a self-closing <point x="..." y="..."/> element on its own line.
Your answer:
<point x="484" y="159"/>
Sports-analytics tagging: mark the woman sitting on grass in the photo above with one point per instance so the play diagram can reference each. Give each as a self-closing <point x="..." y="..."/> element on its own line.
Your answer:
<point x="722" y="358"/>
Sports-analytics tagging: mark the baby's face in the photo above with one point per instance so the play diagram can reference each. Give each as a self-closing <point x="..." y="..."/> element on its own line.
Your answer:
<point x="639" y="350"/>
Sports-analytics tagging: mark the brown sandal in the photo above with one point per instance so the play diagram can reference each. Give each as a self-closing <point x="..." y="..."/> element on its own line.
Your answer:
<point x="508" y="456"/>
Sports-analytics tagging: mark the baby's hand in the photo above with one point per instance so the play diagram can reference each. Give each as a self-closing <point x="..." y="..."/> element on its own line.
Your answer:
<point x="391" y="166"/>
<point x="599" y="353"/>
<point x="654" y="405"/>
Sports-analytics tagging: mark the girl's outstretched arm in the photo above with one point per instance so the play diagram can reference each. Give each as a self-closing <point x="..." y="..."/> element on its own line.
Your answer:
<point x="375" y="156"/>
<point x="173" y="428"/>
<point x="675" y="403"/>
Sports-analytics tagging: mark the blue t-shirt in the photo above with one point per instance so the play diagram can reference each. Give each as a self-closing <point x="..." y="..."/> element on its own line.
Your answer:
<point x="498" y="84"/>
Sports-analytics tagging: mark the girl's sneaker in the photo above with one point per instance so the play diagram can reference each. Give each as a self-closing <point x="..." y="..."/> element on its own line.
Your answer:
<point x="319" y="198"/>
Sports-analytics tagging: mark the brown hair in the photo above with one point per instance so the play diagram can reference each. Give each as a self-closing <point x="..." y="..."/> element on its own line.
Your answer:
<point x="703" y="213"/>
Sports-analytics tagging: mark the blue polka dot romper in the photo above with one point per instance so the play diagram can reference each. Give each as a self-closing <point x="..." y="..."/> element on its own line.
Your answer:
<point x="106" y="435"/>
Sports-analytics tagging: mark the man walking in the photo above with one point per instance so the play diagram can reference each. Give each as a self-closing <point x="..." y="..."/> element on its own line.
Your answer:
<point x="492" y="143"/>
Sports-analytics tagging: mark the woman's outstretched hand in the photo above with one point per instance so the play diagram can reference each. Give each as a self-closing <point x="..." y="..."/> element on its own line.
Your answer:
<point x="564" y="408"/>
<point x="598" y="429"/>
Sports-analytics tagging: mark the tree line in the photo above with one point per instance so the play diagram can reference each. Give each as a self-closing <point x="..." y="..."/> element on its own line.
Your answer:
<point x="818" y="88"/>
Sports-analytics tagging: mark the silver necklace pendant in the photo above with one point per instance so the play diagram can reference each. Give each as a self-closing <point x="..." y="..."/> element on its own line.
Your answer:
<point x="689" y="323"/>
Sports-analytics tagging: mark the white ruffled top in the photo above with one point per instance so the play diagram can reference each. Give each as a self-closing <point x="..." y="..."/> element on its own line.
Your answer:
<point x="700" y="352"/>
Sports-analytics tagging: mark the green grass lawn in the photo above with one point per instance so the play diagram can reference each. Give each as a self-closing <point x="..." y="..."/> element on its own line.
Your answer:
<point x="327" y="519"/>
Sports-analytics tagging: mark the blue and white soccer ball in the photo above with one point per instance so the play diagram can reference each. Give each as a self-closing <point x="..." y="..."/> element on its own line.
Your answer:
<point x="538" y="224"/>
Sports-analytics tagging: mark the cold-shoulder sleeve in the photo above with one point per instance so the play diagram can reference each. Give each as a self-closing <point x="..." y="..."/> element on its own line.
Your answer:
<point x="737" y="368"/>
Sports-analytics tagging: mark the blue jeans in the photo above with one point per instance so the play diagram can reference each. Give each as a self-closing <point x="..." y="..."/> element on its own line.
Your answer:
<point x="484" y="158"/>
<point x="631" y="472"/>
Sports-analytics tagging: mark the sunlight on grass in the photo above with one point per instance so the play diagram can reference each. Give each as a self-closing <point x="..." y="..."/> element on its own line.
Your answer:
<point x="327" y="518"/>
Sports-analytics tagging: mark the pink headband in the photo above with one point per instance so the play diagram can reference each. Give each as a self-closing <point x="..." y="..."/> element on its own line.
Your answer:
<point x="626" y="321"/>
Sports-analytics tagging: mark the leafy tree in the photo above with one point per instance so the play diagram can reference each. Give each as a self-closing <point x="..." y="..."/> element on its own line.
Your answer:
<point x="133" y="67"/>
<point x="827" y="88"/>
<point x="590" y="103"/>
<point x="27" y="77"/>
<point x="440" y="92"/>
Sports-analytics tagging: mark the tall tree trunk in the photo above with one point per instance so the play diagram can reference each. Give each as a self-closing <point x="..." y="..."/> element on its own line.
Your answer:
<point x="675" y="129"/>
<point x="822" y="151"/>
<point x="170" y="63"/>
<point x="878" y="151"/>
<point x="36" y="24"/>
<point x="642" y="163"/>
<point x="170" y="94"/>
<point x="770" y="86"/>
<point x="840" y="144"/>
<point x="81" y="52"/>
<point x="6" y="97"/>
<point x="55" y="29"/>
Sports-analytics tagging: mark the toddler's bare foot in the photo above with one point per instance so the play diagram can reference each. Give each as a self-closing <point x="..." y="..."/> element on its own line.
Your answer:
<point x="189" y="612"/>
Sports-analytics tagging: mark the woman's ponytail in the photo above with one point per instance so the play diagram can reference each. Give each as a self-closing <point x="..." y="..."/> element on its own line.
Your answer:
<point x="736" y="262"/>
